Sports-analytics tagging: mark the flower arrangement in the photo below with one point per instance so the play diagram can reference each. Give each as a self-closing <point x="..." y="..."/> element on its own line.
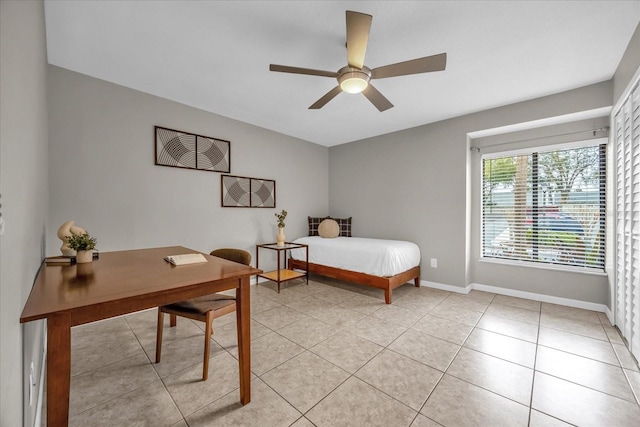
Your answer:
<point x="81" y="242"/>
<point x="281" y="216"/>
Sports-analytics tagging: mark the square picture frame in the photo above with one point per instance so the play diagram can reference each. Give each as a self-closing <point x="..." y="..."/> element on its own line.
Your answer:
<point x="186" y="150"/>
<point x="246" y="192"/>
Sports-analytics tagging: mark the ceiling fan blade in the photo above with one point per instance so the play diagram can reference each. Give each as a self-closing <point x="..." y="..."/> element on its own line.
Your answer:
<point x="377" y="98"/>
<point x="326" y="98"/>
<point x="358" y="26"/>
<point x="298" y="70"/>
<point x="414" y="66"/>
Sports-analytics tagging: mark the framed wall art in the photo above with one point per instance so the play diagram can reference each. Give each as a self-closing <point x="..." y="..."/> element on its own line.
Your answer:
<point x="243" y="192"/>
<point x="190" y="151"/>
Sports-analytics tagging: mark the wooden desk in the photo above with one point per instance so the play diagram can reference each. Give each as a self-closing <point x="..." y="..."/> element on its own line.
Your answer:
<point x="123" y="282"/>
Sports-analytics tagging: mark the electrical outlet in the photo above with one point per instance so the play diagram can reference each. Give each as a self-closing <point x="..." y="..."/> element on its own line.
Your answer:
<point x="434" y="262"/>
<point x="32" y="384"/>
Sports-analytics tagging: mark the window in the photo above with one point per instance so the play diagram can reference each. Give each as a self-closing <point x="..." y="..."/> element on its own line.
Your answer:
<point x="545" y="206"/>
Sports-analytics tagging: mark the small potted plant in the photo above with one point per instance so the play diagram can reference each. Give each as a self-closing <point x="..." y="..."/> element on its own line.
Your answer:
<point x="84" y="245"/>
<point x="280" y="238"/>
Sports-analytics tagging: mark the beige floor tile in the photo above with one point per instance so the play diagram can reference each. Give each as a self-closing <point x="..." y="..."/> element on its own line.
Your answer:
<point x="278" y="317"/>
<point x="513" y="313"/>
<point x="302" y="422"/>
<point x="580" y="405"/>
<point x="502" y="346"/>
<point x="266" y="408"/>
<point x="305" y="380"/>
<point x="260" y="303"/>
<point x="587" y="372"/>
<point x="538" y="419"/>
<point x="509" y="327"/>
<point x="150" y="405"/>
<point x="335" y="295"/>
<point x="396" y="314"/>
<point x="98" y="331"/>
<point x="190" y="393"/>
<point x="456" y="314"/>
<point x="100" y="344"/>
<point x="310" y="306"/>
<point x="418" y="305"/>
<point x="570" y="312"/>
<point x="625" y="357"/>
<point x="226" y="335"/>
<point x="579" y="345"/>
<point x="144" y="325"/>
<point x="481" y="295"/>
<point x="527" y="304"/>
<point x="402" y="378"/>
<point x="574" y="326"/>
<point x="339" y="317"/>
<point x="425" y="349"/>
<point x="363" y="304"/>
<point x="422" y="421"/>
<point x="347" y="351"/>
<point x="308" y="331"/>
<point x="96" y="387"/>
<point x="458" y="403"/>
<point x="355" y="403"/>
<point x="182" y="354"/>
<point x="448" y="330"/>
<point x="463" y="301"/>
<point x="269" y="351"/>
<point x="634" y="380"/>
<point x="181" y="423"/>
<point x="407" y="289"/>
<point x="377" y="330"/>
<point x="612" y="333"/>
<point x="313" y="287"/>
<point x="499" y="376"/>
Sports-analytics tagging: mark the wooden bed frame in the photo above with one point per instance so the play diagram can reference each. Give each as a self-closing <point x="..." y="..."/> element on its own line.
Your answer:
<point x="388" y="284"/>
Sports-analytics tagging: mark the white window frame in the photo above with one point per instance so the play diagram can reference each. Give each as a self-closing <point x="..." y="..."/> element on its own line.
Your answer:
<point x="541" y="149"/>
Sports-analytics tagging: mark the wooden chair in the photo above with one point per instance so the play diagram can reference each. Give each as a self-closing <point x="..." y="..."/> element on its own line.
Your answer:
<point x="203" y="309"/>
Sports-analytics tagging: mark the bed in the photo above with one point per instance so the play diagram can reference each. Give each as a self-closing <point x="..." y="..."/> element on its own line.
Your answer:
<point x="382" y="264"/>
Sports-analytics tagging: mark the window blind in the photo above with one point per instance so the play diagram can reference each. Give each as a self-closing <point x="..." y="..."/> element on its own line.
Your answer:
<point x="627" y="277"/>
<point x="545" y="206"/>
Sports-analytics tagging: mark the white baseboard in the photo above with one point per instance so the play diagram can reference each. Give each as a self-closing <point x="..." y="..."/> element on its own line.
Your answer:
<point x="442" y="286"/>
<point x="522" y="294"/>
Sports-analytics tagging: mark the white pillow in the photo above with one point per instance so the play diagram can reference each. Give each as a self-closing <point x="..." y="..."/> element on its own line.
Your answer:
<point x="329" y="228"/>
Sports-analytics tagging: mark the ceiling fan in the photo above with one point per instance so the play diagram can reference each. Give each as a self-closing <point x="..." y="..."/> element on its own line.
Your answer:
<point x="356" y="77"/>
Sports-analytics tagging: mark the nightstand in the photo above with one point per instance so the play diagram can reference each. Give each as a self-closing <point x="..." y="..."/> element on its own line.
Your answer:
<point x="282" y="274"/>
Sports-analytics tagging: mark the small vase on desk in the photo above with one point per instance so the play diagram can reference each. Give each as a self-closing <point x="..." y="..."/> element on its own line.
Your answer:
<point x="84" y="256"/>
<point x="280" y="237"/>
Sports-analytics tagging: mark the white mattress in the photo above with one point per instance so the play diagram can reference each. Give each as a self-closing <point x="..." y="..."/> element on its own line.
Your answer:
<point x="371" y="256"/>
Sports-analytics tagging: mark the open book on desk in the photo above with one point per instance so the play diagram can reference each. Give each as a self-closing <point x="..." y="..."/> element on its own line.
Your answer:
<point x="185" y="259"/>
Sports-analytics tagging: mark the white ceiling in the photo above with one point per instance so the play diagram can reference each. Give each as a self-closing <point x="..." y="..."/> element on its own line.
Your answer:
<point x="215" y="55"/>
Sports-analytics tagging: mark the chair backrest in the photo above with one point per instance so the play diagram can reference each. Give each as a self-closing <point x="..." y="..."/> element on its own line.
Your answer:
<point x="236" y="255"/>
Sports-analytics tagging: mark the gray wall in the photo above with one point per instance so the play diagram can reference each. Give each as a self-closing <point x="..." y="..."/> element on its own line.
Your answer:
<point x="628" y="66"/>
<point x="414" y="185"/>
<point x="23" y="184"/>
<point x="103" y="176"/>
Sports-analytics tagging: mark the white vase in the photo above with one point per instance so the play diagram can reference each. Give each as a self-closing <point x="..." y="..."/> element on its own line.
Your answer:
<point x="84" y="256"/>
<point x="280" y="237"/>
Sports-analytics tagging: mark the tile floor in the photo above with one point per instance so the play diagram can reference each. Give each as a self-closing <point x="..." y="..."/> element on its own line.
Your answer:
<point x="333" y="354"/>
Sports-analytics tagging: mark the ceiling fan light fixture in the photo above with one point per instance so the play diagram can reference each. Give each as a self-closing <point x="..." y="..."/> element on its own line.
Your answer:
<point x="353" y="81"/>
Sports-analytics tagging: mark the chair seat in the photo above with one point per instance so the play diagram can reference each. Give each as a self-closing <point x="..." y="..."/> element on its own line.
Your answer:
<point x="200" y="305"/>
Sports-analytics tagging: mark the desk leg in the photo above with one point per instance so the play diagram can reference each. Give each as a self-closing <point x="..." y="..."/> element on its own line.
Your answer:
<point x="58" y="368"/>
<point x="243" y="317"/>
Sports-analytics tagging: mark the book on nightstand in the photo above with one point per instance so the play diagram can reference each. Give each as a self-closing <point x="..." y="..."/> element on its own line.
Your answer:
<point x="185" y="259"/>
<point x="60" y="260"/>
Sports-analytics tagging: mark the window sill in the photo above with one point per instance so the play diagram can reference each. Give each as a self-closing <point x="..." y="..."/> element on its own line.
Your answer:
<point x="543" y="266"/>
